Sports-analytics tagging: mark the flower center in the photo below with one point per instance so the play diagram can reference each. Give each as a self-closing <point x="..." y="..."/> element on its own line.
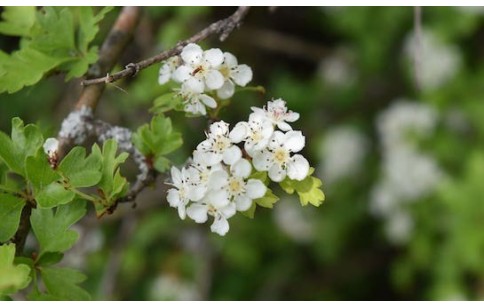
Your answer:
<point x="281" y="156"/>
<point x="221" y="143"/>
<point x="225" y="71"/>
<point x="236" y="186"/>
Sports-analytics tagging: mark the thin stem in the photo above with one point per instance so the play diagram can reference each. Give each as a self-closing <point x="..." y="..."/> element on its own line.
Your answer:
<point x="224" y="27"/>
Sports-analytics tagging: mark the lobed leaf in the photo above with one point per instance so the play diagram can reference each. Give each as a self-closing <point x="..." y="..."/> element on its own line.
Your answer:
<point x="10" y="211"/>
<point x="62" y="284"/>
<point x="12" y="277"/>
<point x="308" y="189"/>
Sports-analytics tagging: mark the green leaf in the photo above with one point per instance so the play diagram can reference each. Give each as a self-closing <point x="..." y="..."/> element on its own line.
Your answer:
<point x="79" y="170"/>
<point x="48" y="190"/>
<point x="308" y="189"/>
<point x="10" y="210"/>
<point x="88" y="25"/>
<point x="268" y="200"/>
<point x="51" y="227"/>
<point x="62" y="283"/>
<point x="50" y="258"/>
<point x="157" y="139"/>
<point x="25" y="141"/>
<point x="12" y="277"/>
<point x="112" y="185"/>
<point x="166" y="102"/>
<point x="17" y="20"/>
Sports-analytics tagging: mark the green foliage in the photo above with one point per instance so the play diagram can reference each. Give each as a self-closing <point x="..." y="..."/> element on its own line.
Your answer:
<point x="112" y="185"/>
<point x="62" y="284"/>
<point x="157" y="140"/>
<point x="167" y="102"/>
<point x="10" y="210"/>
<point x="269" y="198"/>
<point x="51" y="226"/>
<point x="308" y="189"/>
<point x="12" y="277"/>
<point x="81" y="171"/>
<point x="24" y="142"/>
<point x="51" y="38"/>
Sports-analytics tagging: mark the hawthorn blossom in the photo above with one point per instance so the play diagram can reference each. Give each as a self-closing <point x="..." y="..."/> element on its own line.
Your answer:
<point x="199" y="68"/>
<point x="183" y="192"/>
<point x="278" y="114"/>
<point x="256" y="133"/>
<point x="233" y="73"/>
<point x="200" y="211"/>
<point x="51" y="145"/>
<point x="218" y="147"/>
<point x="196" y="101"/>
<point x="277" y="159"/>
<point x="167" y="69"/>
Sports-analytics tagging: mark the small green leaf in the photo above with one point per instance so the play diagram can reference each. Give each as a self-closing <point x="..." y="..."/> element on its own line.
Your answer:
<point x="17" y="20"/>
<point x="12" y="277"/>
<point x="10" y="210"/>
<point x="112" y="185"/>
<point x="166" y="102"/>
<point x="79" y="170"/>
<point x="51" y="227"/>
<point x="268" y="200"/>
<point x="308" y="189"/>
<point x="53" y="195"/>
<point x="50" y="258"/>
<point x="62" y="283"/>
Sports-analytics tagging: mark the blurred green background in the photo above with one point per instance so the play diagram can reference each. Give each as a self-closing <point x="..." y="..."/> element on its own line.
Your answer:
<point x="394" y="125"/>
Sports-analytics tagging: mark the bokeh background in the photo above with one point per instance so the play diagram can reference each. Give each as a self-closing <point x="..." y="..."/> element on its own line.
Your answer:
<point x="394" y="124"/>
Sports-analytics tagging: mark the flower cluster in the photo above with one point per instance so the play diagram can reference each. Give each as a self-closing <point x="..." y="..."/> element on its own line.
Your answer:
<point x="217" y="181"/>
<point x="204" y="74"/>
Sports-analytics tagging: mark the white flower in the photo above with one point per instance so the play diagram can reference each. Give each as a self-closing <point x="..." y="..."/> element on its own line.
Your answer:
<point x="167" y="69"/>
<point x="217" y="147"/>
<point x="240" y="191"/>
<point x="199" y="69"/>
<point x="278" y="114"/>
<point x="277" y="159"/>
<point x="233" y="73"/>
<point x="199" y="212"/>
<point x="51" y="145"/>
<point x="185" y="190"/>
<point x="195" y="102"/>
<point x="256" y="133"/>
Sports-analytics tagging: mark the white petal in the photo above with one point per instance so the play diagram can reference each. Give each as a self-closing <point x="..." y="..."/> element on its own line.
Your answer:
<point x="284" y="126"/>
<point x="227" y="90"/>
<point x="51" y="145"/>
<point x="220" y="225"/>
<point x="182" y="73"/>
<point x="196" y="192"/>
<point x="297" y="168"/>
<point x="210" y="158"/>
<point x="229" y="59"/>
<point x="291" y="116"/>
<point x="232" y="155"/>
<point x="195" y="108"/>
<point x="214" y="56"/>
<point x="229" y="210"/>
<point x="219" y="128"/>
<point x="176" y="176"/>
<point x="277" y="140"/>
<point x="239" y="132"/>
<point x="173" y="197"/>
<point x="255" y="189"/>
<point x="218" y="179"/>
<point x="218" y="198"/>
<point x="276" y="173"/>
<point x="262" y="160"/>
<point x="241" y="75"/>
<point x="182" y="212"/>
<point x="294" y="141"/>
<point x="241" y="169"/>
<point x="197" y="212"/>
<point x="243" y="203"/>
<point x="214" y="80"/>
<point x="165" y="74"/>
<point x="192" y="54"/>
<point x="208" y="101"/>
<point x="193" y="85"/>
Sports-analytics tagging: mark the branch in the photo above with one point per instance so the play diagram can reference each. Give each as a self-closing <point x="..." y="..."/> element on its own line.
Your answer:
<point x="223" y="27"/>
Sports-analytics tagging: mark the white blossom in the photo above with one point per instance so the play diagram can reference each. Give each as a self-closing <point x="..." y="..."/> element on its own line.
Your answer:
<point x="218" y="147"/>
<point x="221" y="212"/>
<point x="199" y="68"/>
<point x="51" y="145"/>
<point x="233" y="73"/>
<point x="195" y="102"/>
<point x="278" y="114"/>
<point x="277" y="159"/>
<point x="167" y="69"/>
<point x="256" y="133"/>
<point x="185" y="190"/>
